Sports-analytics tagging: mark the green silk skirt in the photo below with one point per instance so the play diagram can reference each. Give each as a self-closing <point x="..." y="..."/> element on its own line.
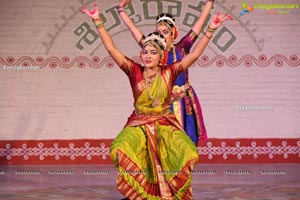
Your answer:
<point x="154" y="162"/>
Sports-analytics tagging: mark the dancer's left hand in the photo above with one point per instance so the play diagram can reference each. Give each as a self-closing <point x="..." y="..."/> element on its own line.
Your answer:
<point x="218" y="19"/>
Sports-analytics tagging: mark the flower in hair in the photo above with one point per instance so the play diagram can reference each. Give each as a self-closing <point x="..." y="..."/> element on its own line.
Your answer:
<point x="157" y="38"/>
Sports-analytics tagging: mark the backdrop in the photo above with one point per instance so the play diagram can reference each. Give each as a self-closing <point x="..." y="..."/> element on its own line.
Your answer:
<point x="63" y="99"/>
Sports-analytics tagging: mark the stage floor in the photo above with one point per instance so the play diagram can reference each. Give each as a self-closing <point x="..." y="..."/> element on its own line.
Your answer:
<point x="210" y="181"/>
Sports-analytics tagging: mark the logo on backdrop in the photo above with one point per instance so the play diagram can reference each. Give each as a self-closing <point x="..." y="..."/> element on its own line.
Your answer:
<point x="246" y="9"/>
<point x="274" y="8"/>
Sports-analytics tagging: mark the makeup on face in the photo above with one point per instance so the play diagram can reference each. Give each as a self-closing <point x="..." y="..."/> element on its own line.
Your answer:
<point x="150" y="56"/>
<point x="166" y="32"/>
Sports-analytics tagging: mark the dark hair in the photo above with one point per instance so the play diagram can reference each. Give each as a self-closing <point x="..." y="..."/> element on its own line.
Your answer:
<point x="166" y="15"/>
<point x="169" y="21"/>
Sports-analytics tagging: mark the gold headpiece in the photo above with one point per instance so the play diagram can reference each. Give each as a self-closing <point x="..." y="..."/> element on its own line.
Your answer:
<point x="157" y="40"/>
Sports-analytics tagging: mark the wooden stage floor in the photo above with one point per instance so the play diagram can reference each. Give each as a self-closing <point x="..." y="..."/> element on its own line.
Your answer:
<point x="210" y="182"/>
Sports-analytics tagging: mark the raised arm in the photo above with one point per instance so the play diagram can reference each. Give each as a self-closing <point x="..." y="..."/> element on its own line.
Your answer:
<point x="109" y="44"/>
<point x="136" y="33"/>
<point x="191" y="57"/>
<point x="202" y="18"/>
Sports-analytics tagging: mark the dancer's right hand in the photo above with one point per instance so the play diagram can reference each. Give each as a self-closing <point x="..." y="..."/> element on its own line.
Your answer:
<point x="123" y="3"/>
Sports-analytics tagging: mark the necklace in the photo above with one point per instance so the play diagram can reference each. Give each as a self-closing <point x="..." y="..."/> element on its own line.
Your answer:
<point x="149" y="82"/>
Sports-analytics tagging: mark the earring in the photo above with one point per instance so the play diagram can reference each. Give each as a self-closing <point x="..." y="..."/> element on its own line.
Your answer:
<point x="172" y="36"/>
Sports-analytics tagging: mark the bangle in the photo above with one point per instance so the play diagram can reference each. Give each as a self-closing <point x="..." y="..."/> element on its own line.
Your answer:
<point x="100" y="25"/>
<point x="120" y="9"/>
<point x="209" y="29"/>
<point x="209" y="37"/>
<point x="98" y="22"/>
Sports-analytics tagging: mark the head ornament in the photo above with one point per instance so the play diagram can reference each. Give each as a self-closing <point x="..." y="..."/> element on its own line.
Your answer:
<point x="157" y="40"/>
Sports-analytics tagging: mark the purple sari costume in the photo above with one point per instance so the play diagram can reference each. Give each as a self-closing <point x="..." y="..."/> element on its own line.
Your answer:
<point x="185" y="103"/>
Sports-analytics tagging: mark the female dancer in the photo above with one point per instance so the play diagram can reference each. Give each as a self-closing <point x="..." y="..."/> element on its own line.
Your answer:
<point x="184" y="101"/>
<point x="153" y="154"/>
